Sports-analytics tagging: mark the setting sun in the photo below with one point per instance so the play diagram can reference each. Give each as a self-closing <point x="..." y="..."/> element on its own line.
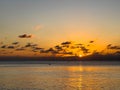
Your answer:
<point x="80" y="55"/>
<point x="59" y="44"/>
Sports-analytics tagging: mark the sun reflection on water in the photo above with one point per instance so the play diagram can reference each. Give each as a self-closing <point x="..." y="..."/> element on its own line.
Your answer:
<point x="58" y="77"/>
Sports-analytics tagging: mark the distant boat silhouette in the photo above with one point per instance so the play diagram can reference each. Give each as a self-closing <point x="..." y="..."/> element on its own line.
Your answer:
<point x="49" y="64"/>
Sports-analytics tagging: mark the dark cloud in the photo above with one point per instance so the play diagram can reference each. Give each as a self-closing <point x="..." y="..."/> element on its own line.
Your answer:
<point x="117" y="52"/>
<point x="91" y="41"/>
<point x="11" y="47"/>
<point x="43" y="51"/>
<point x="66" y="43"/>
<point x="31" y="45"/>
<point x="68" y="53"/>
<point x="74" y="47"/>
<point x="4" y="46"/>
<point x="115" y="47"/>
<point x="109" y="46"/>
<point x="25" y="36"/>
<point x="28" y="45"/>
<point x="84" y="49"/>
<point x="4" y="53"/>
<point x="63" y="49"/>
<point x="66" y="46"/>
<point x="34" y="51"/>
<point x="88" y="45"/>
<point x="79" y="44"/>
<point x="95" y="52"/>
<point x="50" y="50"/>
<point x="38" y="48"/>
<point x="34" y="45"/>
<point x="59" y="48"/>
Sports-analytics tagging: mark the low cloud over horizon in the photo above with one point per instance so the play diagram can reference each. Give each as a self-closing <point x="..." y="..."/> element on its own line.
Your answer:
<point x="67" y="48"/>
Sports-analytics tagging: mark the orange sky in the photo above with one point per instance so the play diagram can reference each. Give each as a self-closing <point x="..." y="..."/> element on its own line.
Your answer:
<point x="52" y="22"/>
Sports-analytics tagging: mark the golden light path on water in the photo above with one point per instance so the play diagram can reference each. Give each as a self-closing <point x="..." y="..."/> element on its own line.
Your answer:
<point x="59" y="77"/>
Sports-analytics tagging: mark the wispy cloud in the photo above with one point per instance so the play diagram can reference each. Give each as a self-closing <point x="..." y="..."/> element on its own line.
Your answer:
<point x="1" y="43"/>
<point x="15" y="43"/>
<point x="38" y="27"/>
<point x="20" y="49"/>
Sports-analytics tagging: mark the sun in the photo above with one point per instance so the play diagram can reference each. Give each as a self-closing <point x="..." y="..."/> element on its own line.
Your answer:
<point x="80" y="55"/>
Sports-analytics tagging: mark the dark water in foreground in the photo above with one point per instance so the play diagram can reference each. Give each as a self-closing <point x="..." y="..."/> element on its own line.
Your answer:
<point x="59" y="77"/>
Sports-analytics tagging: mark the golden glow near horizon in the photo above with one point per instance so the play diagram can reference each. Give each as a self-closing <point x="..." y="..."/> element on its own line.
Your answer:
<point x="80" y="55"/>
<point x="46" y="24"/>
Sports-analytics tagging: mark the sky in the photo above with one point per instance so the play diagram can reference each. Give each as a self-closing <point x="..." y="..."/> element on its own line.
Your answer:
<point x="51" y="22"/>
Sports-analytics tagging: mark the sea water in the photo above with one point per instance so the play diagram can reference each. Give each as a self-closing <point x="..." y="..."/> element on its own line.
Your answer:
<point x="59" y="77"/>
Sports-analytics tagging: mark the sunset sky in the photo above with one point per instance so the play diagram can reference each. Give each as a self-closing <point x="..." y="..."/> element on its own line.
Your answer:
<point x="51" y="22"/>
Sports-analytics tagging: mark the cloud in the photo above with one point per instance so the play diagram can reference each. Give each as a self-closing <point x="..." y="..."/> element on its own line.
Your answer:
<point x="1" y="43"/>
<point x="66" y="43"/>
<point x="15" y="43"/>
<point x="115" y="47"/>
<point x="31" y="45"/>
<point x="109" y="46"/>
<point x="117" y="52"/>
<point x="69" y="53"/>
<point x="38" y="48"/>
<point x="50" y="50"/>
<point x="59" y="48"/>
<point x="4" y="46"/>
<point x="11" y="47"/>
<point x="20" y="49"/>
<point x="25" y="36"/>
<point x="79" y="44"/>
<point x="84" y="49"/>
<point x="38" y="27"/>
<point x="91" y="41"/>
<point x="28" y="45"/>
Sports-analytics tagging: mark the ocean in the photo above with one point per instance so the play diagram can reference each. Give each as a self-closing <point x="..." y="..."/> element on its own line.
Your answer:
<point x="55" y="76"/>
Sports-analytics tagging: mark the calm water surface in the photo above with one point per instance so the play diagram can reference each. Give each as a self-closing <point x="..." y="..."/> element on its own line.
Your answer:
<point x="59" y="77"/>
